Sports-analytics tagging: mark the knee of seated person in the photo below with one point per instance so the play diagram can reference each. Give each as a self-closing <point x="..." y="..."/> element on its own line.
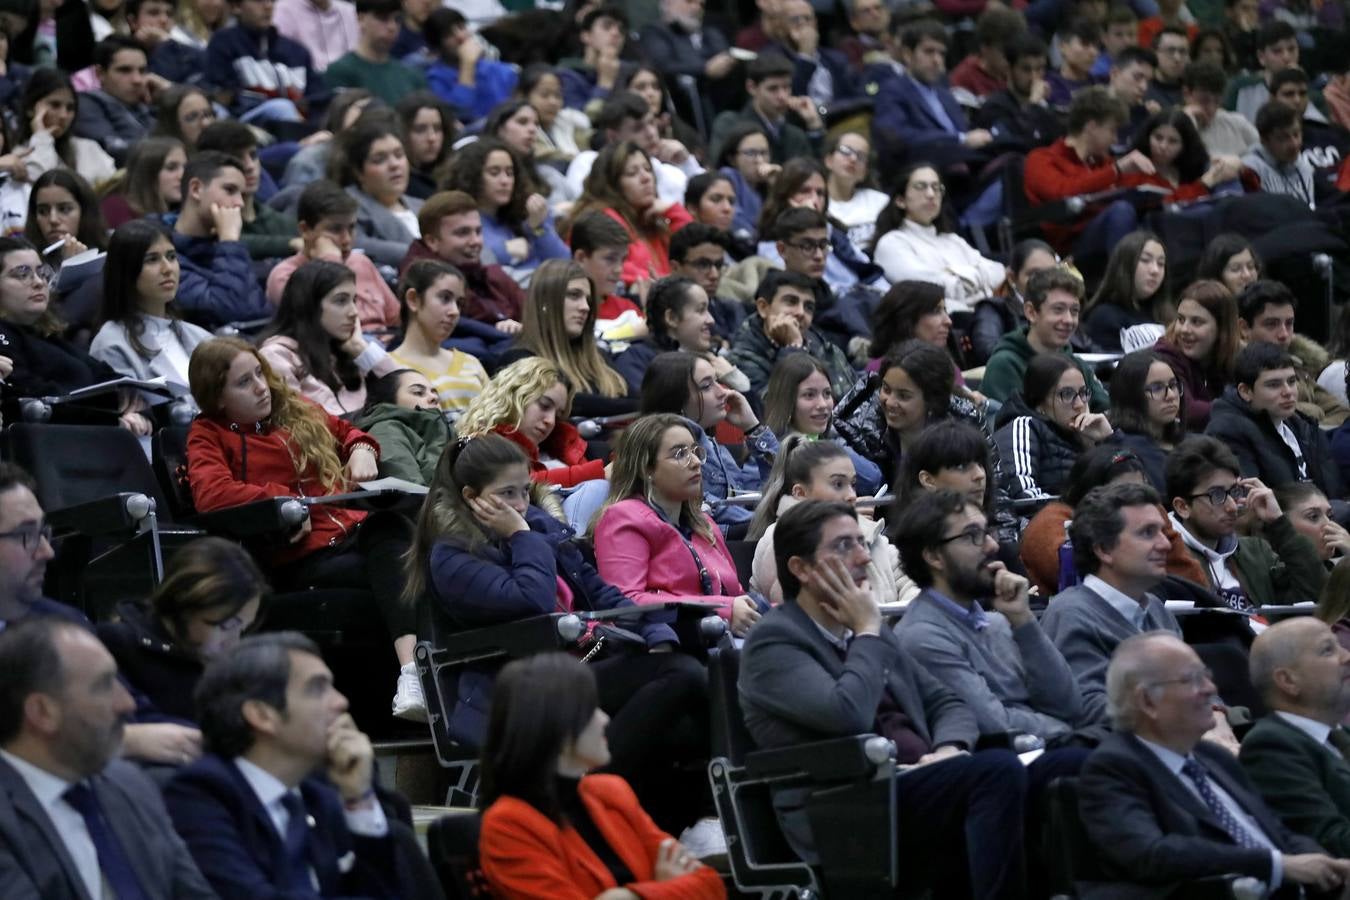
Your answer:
<point x="999" y="766"/>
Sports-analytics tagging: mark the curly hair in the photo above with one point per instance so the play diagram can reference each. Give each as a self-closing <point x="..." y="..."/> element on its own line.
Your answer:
<point x="466" y="174"/>
<point x="634" y="460"/>
<point x="510" y="392"/>
<point x="312" y="447"/>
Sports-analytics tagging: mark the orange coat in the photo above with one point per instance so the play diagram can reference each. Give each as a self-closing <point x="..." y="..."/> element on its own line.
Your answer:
<point x="527" y="856"/>
<point x="1044" y="535"/>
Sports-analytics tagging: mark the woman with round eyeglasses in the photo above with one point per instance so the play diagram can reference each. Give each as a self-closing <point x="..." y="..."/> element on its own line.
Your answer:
<point x="1148" y="410"/>
<point x="653" y="541"/>
<point x="853" y="203"/>
<point x="41" y="362"/>
<point x="915" y="243"/>
<point x="211" y="595"/>
<point x="1048" y="425"/>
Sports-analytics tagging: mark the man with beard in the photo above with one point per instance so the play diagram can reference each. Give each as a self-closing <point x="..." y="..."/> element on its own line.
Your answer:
<point x="821" y="666"/>
<point x="1296" y="755"/>
<point x="75" y="822"/>
<point x="1120" y="551"/>
<point x="997" y="660"/>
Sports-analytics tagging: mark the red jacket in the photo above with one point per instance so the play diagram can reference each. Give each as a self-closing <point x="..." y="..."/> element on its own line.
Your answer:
<point x="650" y="257"/>
<point x="971" y="74"/>
<point x="490" y="295"/>
<point x="1191" y="190"/>
<point x="565" y="444"/>
<point x="527" y="856"/>
<point x="1056" y="172"/>
<point x="230" y="465"/>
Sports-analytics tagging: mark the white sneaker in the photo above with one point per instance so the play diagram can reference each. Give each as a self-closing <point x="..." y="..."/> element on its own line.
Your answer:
<point x="408" y="700"/>
<point x="705" y="840"/>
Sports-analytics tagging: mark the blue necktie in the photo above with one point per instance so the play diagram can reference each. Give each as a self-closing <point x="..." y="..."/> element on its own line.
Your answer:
<point x="1241" y="835"/>
<point x="297" y="844"/>
<point x="112" y="858"/>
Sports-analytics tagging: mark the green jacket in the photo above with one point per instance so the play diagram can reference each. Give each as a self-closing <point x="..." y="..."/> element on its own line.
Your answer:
<point x="1304" y="783"/>
<point x="411" y="440"/>
<point x="1008" y="364"/>
<point x="754" y="354"/>
<point x="1280" y="567"/>
<point x="270" y="233"/>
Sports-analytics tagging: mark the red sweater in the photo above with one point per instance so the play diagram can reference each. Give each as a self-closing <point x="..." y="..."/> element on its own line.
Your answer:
<point x="565" y="444"/>
<point x="650" y="257"/>
<point x="527" y="856"/>
<point x="230" y="465"/>
<point x="1057" y="172"/>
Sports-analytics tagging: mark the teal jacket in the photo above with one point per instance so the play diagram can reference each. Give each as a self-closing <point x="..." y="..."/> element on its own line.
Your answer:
<point x="1008" y="364"/>
<point x="411" y="440"/>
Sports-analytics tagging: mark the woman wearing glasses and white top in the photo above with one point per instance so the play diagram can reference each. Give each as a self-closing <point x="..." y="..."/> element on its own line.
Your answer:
<point x="916" y="244"/>
<point x="1047" y="426"/>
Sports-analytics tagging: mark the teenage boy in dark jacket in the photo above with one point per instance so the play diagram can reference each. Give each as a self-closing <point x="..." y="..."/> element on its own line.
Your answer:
<point x="259" y="74"/>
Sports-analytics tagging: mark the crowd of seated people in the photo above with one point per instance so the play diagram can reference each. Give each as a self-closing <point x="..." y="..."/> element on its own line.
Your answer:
<point x="954" y="355"/>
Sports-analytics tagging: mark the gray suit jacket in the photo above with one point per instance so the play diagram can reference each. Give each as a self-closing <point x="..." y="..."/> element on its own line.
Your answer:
<point x="794" y="689"/>
<point x="34" y="864"/>
<point x="1087" y="629"/>
<point x="379" y="233"/>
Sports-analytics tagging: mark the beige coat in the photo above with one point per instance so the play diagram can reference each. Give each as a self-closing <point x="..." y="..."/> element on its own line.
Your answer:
<point x="889" y="582"/>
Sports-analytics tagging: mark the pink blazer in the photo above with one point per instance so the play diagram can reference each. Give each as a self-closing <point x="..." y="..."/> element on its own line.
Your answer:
<point x="641" y="555"/>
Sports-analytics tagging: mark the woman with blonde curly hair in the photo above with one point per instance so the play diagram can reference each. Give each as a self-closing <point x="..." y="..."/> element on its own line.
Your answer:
<point x="653" y="541"/>
<point x="622" y="185"/>
<point x="256" y="439"/>
<point x="559" y="326"/>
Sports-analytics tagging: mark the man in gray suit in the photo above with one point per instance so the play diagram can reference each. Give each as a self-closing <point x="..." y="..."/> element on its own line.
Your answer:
<point x="821" y="666"/>
<point x="1120" y="549"/>
<point x="76" y="823"/>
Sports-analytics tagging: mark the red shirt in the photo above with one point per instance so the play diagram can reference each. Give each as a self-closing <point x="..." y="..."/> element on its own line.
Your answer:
<point x="1057" y="172"/>
<point x="971" y="74"/>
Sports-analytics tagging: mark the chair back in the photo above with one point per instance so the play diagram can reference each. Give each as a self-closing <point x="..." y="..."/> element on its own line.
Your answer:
<point x="168" y="454"/>
<point x="730" y="737"/>
<point x="743" y="556"/>
<point x="452" y="846"/>
<point x="75" y="464"/>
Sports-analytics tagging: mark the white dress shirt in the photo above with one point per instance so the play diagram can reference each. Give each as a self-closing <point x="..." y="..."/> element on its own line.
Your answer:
<point x="1130" y="609"/>
<point x="66" y="822"/>
<point x="1318" y="731"/>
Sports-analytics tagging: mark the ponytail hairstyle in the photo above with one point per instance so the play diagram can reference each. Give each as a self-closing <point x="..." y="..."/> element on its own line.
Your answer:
<point x="313" y="448"/>
<point x="669" y="294"/>
<point x="445" y="516"/>
<point x="798" y="457"/>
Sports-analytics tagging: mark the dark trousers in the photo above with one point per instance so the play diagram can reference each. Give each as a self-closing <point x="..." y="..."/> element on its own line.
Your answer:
<point x="961" y="825"/>
<point x="371" y="558"/>
<point x="1106" y="229"/>
<point x="658" y="732"/>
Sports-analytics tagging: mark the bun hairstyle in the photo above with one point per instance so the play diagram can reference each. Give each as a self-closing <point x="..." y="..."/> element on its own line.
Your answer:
<point x="798" y="457"/>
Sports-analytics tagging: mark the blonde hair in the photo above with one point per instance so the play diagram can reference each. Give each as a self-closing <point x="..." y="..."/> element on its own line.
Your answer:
<point x="634" y="460"/>
<point x="309" y="441"/>
<point x="544" y="334"/>
<point x="505" y="398"/>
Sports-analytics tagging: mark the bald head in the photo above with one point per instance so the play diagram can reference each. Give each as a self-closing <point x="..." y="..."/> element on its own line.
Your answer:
<point x="1300" y="667"/>
<point x="1157" y="688"/>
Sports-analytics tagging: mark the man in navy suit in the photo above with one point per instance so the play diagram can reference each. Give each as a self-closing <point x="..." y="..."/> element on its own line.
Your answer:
<point x="820" y="73"/>
<point x="1161" y="806"/>
<point x="283" y="803"/>
<point x="75" y="822"/>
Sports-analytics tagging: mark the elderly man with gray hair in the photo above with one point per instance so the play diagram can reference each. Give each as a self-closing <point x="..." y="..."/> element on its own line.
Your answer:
<point x="1296" y="755"/>
<point x="1163" y="807"/>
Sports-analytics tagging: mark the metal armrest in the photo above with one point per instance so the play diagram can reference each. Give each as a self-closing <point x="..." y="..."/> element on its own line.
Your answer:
<point x="273" y="516"/>
<point x="833" y="760"/>
<point x="113" y="514"/>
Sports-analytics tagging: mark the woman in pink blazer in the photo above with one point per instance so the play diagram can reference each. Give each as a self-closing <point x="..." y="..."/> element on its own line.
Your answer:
<point x="652" y="539"/>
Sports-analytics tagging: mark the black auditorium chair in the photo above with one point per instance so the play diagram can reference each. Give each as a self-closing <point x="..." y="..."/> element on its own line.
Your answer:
<point x="452" y="846"/>
<point x="852" y="807"/>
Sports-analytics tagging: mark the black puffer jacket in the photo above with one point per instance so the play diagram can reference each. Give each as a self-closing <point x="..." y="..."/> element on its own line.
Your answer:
<point x="1261" y="451"/>
<point x="1037" y="455"/>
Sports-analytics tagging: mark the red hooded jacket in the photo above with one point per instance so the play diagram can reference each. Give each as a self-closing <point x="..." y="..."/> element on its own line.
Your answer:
<point x="565" y="444"/>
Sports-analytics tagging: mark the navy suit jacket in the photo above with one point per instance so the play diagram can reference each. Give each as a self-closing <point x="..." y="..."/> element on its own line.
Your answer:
<point x="845" y="82"/>
<point x="34" y="862"/>
<point x="240" y="852"/>
<point x="1151" y="832"/>
<point x="902" y="119"/>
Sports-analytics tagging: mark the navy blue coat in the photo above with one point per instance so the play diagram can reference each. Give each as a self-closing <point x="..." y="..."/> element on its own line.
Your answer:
<point x="505" y="582"/>
<point x="903" y="123"/>
<point x="216" y="285"/>
<point x="238" y="849"/>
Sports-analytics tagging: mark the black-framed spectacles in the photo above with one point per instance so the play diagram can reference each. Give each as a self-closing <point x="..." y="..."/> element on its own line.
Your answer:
<point x="29" y="536"/>
<point x="976" y="536"/>
<point x="809" y="246"/>
<point x="1217" y="496"/>
<point x="1160" y="389"/>
<point x="1068" y="395"/>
